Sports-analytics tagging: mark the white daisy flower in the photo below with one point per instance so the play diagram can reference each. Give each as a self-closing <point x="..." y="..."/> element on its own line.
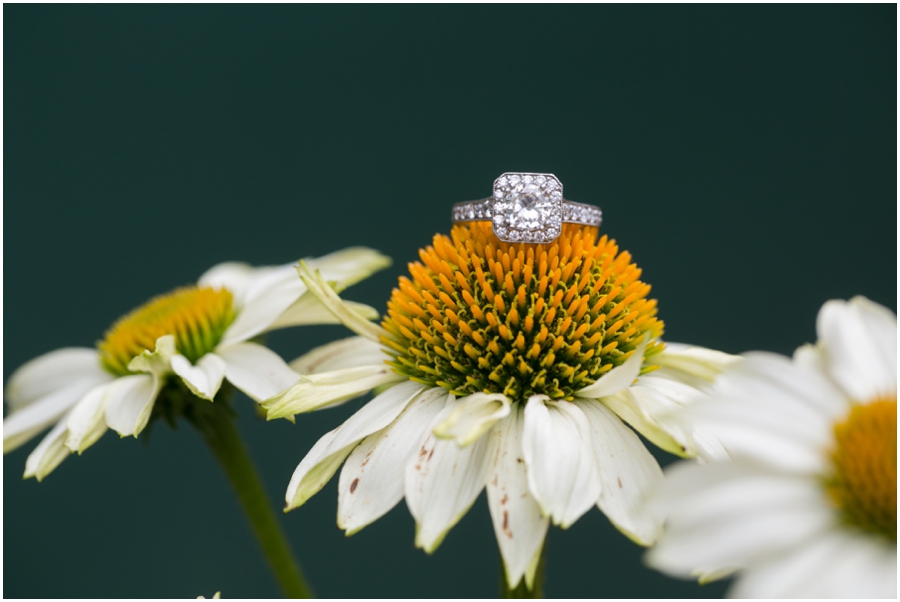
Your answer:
<point x="807" y="506"/>
<point x="201" y="333"/>
<point x="510" y="367"/>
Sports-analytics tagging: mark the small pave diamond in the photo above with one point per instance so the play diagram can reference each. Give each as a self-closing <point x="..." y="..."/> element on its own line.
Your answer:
<point x="527" y="207"/>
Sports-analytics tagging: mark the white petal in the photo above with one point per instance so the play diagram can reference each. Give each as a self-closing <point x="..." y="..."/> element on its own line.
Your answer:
<point x="349" y="266"/>
<point x="618" y="378"/>
<point x="627" y="473"/>
<point x="351" y="352"/>
<point x="129" y="401"/>
<point x="205" y="378"/>
<point x="267" y="297"/>
<point x="473" y="416"/>
<point x="309" y="310"/>
<point x="256" y="370"/>
<point x="326" y="456"/>
<point x="86" y="422"/>
<point x="662" y="395"/>
<point x="45" y="374"/>
<point x="638" y="406"/>
<point x="29" y="420"/>
<point x="518" y="523"/>
<point x="327" y="389"/>
<point x="773" y="410"/>
<point x="158" y="361"/>
<point x="796" y="387"/>
<point x="733" y="514"/>
<point x="442" y="482"/>
<point x="755" y="433"/>
<point x="234" y="276"/>
<point x="559" y="457"/>
<point x="701" y="362"/>
<point x="859" y="345"/>
<point x="838" y="564"/>
<point x="48" y="454"/>
<point x="349" y="318"/>
<point x="371" y="482"/>
<point x="275" y="291"/>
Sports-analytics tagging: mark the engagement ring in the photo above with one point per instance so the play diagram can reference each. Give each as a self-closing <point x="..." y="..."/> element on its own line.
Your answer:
<point x="527" y="207"/>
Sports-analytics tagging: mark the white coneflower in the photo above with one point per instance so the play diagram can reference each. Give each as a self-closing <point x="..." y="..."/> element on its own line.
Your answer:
<point x="505" y="366"/>
<point x="807" y="506"/>
<point x="200" y="334"/>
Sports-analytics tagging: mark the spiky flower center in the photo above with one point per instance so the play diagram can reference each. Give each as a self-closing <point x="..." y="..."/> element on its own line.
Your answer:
<point x="196" y="316"/>
<point x="864" y="483"/>
<point x="481" y="315"/>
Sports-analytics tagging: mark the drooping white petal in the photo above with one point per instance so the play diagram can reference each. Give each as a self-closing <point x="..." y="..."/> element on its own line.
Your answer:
<point x="319" y="287"/>
<point x="86" y="423"/>
<point x="732" y="514"/>
<point x="309" y="310"/>
<point x="637" y="406"/>
<point x="473" y="416"/>
<point x="49" y="453"/>
<point x="371" y="482"/>
<point x="701" y="362"/>
<point x="327" y="389"/>
<point x="29" y="420"/>
<point x="267" y="297"/>
<point x="256" y="370"/>
<point x="129" y="401"/>
<point x="627" y="472"/>
<point x="518" y="523"/>
<point x="326" y="456"/>
<point x="859" y="345"/>
<point x="660" y="397"/>
<point x="619" y="378"/>
<point x="349" y="266"/>
<point x="442" y="482"/>
<point x="838" y="564"/>
<point x="351" y="352"/>
<point x="203" y="379"/>
<point x="559" y="457"/>
<point x="47" y="373"/>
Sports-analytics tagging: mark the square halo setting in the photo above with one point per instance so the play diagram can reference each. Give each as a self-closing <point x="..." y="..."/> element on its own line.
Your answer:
<point x="527" y="207"/>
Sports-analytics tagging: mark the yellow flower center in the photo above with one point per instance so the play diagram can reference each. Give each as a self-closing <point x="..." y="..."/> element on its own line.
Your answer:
<point x="864" y="483"/>
<point x="196" y="316"/>
<point x="520" y="319"/>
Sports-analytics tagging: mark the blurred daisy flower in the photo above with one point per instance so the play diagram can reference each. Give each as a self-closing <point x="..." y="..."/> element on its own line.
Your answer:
<point x="807" y="506"/>
<point x="200" y="334"/>
<point x="505" y="366"/>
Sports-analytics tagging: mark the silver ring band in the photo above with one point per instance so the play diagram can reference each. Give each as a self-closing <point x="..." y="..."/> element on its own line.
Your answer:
<point x="572" y="212"/>
<point x="527" y="207"/>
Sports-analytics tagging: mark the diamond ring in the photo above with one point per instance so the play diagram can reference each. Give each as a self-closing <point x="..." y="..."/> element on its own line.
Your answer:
<point x="527" y="207"/>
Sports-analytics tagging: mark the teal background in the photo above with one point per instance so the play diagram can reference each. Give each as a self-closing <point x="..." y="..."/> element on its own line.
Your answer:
<point x="746" y="156"/>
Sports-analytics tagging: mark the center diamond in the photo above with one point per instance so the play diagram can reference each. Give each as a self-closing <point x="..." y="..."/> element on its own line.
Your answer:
<point x="527" y="207"/>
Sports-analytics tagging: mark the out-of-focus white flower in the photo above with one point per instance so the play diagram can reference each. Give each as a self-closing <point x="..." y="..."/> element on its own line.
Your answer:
<point x="807" y="505"/>
<point x="202" y="334"/>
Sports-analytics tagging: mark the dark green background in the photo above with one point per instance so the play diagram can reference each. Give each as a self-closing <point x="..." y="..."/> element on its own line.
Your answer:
<point x="746" y="155"/>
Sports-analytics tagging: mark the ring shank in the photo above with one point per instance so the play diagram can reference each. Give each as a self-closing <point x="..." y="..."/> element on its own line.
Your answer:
<point x="572" y="212"/>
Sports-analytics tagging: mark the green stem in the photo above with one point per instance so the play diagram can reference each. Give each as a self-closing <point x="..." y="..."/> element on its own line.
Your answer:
<point x="521" y="590"/>
<point x="216" y="423"/>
